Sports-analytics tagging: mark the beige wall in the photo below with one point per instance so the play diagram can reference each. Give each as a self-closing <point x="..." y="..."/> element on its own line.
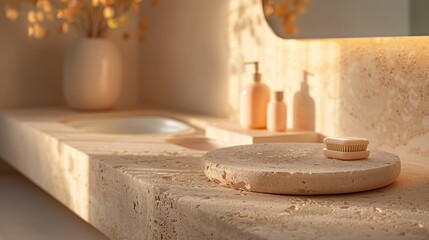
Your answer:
<point x="30" y="69"/>
<point x="376" y="88"/>
<point x="185" y="54"/>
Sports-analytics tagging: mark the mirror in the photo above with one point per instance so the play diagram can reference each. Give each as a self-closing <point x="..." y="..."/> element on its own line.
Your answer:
<point x="298" y="19"/>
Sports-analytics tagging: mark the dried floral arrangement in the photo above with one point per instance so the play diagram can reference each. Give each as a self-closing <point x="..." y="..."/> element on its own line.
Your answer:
<point x="88" y="18"/>
<point x="288" y="11"/>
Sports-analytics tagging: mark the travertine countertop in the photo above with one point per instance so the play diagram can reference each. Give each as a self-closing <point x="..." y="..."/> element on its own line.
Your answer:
<point x="134" y="187"/>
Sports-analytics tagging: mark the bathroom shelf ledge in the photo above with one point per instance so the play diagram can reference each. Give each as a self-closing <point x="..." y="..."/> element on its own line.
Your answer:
<point x="231" y="133"/>
<point x="149" y="188"/>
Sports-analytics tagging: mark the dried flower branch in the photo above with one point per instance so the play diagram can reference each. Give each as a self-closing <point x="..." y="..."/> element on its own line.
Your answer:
<point x="288" y="11"/>
<point x="88" y="18"/>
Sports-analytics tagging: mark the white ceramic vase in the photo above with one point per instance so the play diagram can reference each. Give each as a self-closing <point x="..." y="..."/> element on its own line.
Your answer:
<point x="92" y="75"/>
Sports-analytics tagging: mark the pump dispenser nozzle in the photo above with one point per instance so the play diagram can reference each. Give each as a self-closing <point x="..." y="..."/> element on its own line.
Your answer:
<point x="256" y="75"/>
<point x="304" y="83"/>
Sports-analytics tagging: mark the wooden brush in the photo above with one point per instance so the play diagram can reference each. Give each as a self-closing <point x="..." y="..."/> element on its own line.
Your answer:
<point x="346" y="148"/>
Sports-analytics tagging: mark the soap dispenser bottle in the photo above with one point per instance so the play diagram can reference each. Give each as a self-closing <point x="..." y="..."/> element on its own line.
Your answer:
<point x="303" y="107"/>
<point x="276" y="113"/>
<point x="253" y="102"/>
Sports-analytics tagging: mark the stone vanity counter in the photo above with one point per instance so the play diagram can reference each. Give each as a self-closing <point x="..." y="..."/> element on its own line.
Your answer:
<point x="135" y="187"/>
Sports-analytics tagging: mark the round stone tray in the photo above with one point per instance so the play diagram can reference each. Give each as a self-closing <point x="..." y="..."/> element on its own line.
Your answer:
<point x="298" y="169"/>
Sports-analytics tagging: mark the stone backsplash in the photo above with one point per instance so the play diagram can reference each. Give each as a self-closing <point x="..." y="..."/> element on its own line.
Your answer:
<point x="376" y="88"/>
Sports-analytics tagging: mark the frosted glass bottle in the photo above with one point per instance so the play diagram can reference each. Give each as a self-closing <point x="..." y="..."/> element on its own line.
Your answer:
<point x="253" y="103"/>
<point x="276" y="113"/>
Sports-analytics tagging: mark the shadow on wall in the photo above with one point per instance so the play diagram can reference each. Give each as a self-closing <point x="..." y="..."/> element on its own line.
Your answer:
<point x="245" y="41"/>
<point x="282" y="65"/>
<point x="375" y="88"/>
<point x="184" y="56"/>
<point x="30" y="69"/>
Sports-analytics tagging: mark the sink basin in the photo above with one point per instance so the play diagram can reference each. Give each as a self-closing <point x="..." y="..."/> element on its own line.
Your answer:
<point x="132" y="125"/>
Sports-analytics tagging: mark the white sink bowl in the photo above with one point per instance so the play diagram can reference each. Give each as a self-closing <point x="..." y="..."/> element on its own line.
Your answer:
<point x="132" y="125"/>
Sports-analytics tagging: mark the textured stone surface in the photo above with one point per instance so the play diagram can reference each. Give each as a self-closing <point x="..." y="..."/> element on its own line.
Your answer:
<point x="146" y="188"/>
<point x="297" y="168"/>
<point x="377" y="88"/>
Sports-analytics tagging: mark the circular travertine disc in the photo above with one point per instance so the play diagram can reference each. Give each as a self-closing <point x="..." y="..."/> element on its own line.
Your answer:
<point x="297" y="168"/>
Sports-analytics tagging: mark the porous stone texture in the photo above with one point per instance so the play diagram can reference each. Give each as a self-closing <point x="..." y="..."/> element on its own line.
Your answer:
<point x="376" y="88"/>
<point x="297" y="168"/>
<point x="147" y="188"/>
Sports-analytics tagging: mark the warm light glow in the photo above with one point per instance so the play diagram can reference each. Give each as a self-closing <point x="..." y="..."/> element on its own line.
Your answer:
<point x="283" y="63"/>
<point x="11" y="13"/>
<point x="89" y="18"/>
<point x="288" y="11"/>
<point x="108" y="12"/>
<point x="374" y="88"/>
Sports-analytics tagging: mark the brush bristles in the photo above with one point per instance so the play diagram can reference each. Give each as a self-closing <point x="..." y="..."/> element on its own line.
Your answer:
<point x="344" y="148"/>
